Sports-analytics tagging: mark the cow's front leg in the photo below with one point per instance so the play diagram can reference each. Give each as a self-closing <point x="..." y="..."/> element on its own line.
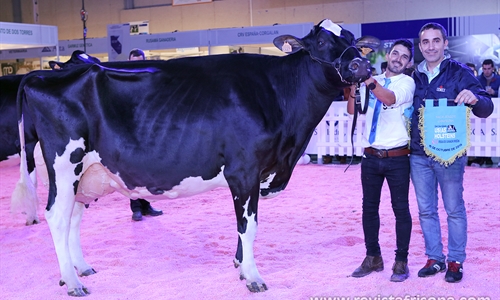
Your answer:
<point x="75" y="248"/>
<point x="246" y="216"/>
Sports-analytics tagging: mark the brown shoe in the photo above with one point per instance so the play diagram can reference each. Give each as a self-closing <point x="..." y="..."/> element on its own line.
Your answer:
<point x="400" y="271"/>
<point x="370" y="264"/>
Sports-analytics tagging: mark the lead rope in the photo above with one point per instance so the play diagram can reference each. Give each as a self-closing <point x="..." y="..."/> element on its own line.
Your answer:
<point x="355" y="118"/>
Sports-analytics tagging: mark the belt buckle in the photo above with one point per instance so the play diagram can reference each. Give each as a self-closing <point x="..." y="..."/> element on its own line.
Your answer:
<point x="379" y="153"/>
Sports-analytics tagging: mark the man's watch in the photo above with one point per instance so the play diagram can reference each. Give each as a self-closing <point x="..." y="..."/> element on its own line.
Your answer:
<point x="372" y="85"/>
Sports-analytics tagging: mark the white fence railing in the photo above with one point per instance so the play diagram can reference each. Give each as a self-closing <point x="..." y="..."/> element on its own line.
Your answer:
<point x="333" y="134"/>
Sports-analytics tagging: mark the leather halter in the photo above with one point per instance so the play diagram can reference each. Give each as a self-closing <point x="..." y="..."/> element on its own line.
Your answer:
<point x="335" y="64"/>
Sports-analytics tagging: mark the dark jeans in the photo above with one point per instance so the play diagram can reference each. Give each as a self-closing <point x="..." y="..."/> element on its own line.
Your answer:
<point x="397" y="172"/>
<point x="139" y="205"/>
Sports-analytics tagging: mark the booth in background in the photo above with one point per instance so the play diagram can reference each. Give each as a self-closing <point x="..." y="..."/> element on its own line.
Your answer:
<point x="18" y="40"/>
<point x="257" y="39"/>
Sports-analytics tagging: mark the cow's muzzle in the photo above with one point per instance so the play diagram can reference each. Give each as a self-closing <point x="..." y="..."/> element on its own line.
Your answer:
<point x="360" y="68"/>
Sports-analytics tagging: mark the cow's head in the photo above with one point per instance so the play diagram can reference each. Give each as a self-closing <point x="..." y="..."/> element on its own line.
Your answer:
<point x="333" y="47"/>
<point x="78" y="57"/>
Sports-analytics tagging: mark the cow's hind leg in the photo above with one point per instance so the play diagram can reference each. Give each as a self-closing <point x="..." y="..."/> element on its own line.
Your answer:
<point x="246" y="216"/>
<point x="64" y="177"/>
<point x="32" y="219"/>
<point x="58" y="218"/>
<point x="75" y="248"/>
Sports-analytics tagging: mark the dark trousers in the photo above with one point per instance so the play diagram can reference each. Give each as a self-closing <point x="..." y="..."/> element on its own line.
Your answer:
<point x="139" y="205"/>
<point x="396" y="170"/>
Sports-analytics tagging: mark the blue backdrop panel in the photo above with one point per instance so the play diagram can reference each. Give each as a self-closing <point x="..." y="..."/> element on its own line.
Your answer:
<point x="399" y="29"/>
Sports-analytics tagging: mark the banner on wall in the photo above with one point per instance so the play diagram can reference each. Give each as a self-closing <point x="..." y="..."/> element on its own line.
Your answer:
<point x="140" y="27"/>
<point x="66" y="47"/>
<point x="256" y="34"/>
<point x="18" y="35"/>
<point x="119" y="42"/>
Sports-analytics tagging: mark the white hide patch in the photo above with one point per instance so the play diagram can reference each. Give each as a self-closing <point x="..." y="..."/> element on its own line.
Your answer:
<point x="267" y="182"/>
<point x="330" y="26"/>
<point x="65" y="170"/>
<point x="265" y="185"/>
<point x="11" y="161"/>
<point x="98" y="181"/>
<point x="187" y="187"/>
<point x="248" y="266"/>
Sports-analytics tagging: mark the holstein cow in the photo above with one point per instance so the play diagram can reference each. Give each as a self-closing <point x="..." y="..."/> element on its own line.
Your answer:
<point x="143" y="132"/>
<point x="9" y="140"/>
<point x="9" y="132"/>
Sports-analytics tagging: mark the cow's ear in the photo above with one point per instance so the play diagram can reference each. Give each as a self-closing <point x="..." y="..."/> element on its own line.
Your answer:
<point x="367" y="44"/>
<point x="288" y="43"/>
<point x="348" y="36"/>
<point x="55" y="65"/>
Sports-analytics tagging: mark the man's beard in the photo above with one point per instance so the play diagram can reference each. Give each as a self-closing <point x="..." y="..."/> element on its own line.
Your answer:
<point x="393" y="69"/>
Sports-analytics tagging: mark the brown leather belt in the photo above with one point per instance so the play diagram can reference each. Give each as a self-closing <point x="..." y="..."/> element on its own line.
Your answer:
<point x="381" y="153"/>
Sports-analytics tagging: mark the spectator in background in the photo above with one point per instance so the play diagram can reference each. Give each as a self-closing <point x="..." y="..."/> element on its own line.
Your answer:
<point x="383" y="67"/>
<point x="491" y="83"/>
<point x="472" y="67"/>
<point x="489" y="78"/>
<point x="409" y="70"/>
<point x="141" y="207"/>
<point x="136" y="54"/>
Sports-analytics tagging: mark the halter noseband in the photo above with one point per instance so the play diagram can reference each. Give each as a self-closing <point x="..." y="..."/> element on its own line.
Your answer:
<point x="335" y="64"/>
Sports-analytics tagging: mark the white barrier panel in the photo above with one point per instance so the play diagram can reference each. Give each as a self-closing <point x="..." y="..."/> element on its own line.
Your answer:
<point x="333" y="134"/>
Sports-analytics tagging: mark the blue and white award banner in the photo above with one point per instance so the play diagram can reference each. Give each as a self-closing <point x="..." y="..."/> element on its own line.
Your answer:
<point x="445" y="130"/>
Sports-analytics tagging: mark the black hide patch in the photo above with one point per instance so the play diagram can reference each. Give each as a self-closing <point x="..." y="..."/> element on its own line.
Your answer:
<point x="155" y="191"/>
<point x="75" y="186"/>
<point x="78" y="169"/>
<point x="76" y="156"/>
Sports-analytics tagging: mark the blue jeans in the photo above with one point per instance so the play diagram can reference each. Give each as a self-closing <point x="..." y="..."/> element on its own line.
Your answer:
<point x="426" y="175"/>
<point x="396" y="170"/>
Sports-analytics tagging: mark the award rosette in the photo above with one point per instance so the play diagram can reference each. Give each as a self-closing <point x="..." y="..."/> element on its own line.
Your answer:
<point x="445" y="130"/>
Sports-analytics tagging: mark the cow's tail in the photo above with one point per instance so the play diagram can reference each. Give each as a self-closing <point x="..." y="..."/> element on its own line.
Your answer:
<point x="24" y="198"/>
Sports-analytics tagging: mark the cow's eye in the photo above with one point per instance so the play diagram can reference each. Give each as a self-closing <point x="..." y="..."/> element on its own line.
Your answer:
<point x="320" y="43"/>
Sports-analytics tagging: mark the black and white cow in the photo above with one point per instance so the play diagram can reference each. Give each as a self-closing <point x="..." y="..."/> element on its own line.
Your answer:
<point x="143" y="131"/>
<point x="9" y="140"/>
<point x="9" y="132"/>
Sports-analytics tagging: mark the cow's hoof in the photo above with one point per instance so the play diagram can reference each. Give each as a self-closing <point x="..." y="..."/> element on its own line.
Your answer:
<point x="236" y="263"/>
<point x="254" y="287"/>
<point x="79" y="292"/>
<point x="32" y="222"/>
<point x="76" y="292"/>
<point x="88" y="272"/>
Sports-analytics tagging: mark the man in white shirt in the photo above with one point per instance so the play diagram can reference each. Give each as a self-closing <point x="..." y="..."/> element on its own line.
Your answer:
<point x="386" y="157"/>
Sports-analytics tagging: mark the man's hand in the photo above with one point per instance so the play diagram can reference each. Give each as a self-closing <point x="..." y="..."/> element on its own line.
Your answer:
<point x="466" y="97"/>
<point x="489" y="90"/>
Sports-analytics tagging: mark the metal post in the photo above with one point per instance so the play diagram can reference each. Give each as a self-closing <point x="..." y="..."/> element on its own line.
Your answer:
<point x="84" y="17"/>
